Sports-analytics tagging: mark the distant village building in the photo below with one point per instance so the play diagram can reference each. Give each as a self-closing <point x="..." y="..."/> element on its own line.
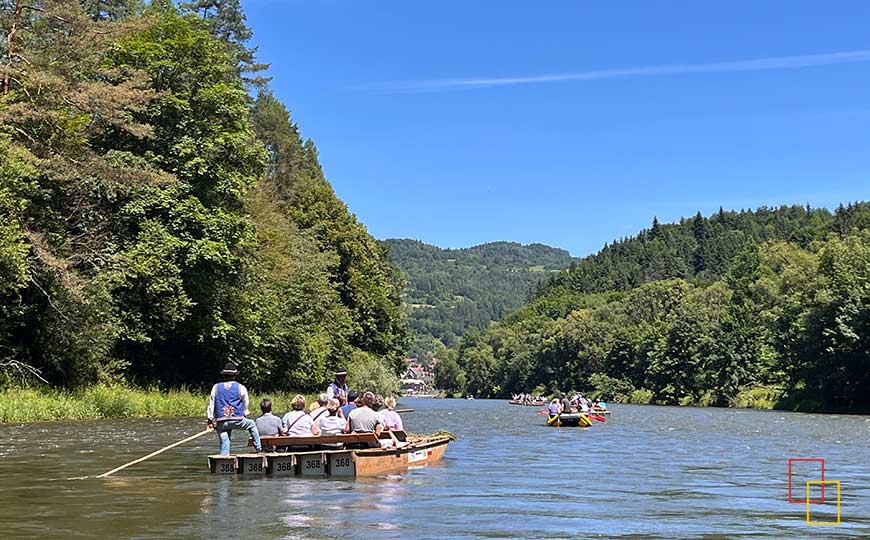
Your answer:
<point x="417" y="378"/>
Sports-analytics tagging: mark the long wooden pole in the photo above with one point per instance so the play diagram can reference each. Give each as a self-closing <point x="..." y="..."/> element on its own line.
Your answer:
<point x="152" y="454"/>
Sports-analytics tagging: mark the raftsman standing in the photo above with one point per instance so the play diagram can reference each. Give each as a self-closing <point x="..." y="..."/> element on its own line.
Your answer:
<point x="338" y="388"/>
<point x="227" y="407"/>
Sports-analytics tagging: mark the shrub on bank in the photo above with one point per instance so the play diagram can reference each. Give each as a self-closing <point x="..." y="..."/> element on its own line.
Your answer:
<point x="758" y="398"/>
<point x="38" y="404"/>
<point x="641" y="396"/>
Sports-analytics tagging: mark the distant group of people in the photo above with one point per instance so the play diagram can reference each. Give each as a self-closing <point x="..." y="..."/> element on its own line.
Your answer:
<point x="560" y="404"/>
<point x="527" y="399"/>
<point x="336" y="411"/>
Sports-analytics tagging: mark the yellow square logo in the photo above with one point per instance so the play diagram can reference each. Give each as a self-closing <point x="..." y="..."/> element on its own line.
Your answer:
<point x="823" y="523"/>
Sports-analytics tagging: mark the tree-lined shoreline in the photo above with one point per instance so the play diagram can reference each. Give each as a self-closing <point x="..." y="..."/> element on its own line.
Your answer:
<point x="767" y="308"/>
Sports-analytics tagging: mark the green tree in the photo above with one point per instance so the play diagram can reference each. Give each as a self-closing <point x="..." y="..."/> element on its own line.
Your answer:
<point x="226" y="21"/>
<point x="449" y="377"/>
<point x="366" y="280"/>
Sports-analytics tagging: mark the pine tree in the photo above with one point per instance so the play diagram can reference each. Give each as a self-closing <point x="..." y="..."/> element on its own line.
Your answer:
<point x="699" y="232"/>
<point x="841" y="219"/>
<point x="111" y="10"/>
<point x="226" y="21"/>
<point x="655" y="230"/>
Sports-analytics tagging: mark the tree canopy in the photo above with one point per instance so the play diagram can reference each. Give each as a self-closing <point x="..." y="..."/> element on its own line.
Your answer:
<point x="158" y="220"/>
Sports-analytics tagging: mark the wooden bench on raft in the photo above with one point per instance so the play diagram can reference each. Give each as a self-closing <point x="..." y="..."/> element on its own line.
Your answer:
<point x="346" y="439"/>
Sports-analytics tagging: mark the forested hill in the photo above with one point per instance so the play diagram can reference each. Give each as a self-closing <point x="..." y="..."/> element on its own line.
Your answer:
<point x="700" y="247"/>
<point x="452" y="290"/>
<point x="160" y="213"/>
<point x="755" y="308"/>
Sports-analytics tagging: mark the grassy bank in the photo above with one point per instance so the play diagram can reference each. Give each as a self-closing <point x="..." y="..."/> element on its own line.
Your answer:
<point x="42" y="404"/>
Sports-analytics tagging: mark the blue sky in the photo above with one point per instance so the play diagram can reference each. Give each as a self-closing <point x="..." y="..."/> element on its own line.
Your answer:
<point x="572" y="123"/>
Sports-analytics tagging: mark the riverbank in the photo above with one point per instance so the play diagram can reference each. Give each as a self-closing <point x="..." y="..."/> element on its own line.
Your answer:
<point x="98" y="402"/>
<point x="761" y="398"/>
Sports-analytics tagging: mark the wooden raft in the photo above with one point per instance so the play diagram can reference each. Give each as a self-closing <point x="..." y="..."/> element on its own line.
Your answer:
<point x="317" y="462"/>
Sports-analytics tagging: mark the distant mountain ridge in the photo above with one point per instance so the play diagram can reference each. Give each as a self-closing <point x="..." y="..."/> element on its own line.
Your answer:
<point x="450" y="291"/>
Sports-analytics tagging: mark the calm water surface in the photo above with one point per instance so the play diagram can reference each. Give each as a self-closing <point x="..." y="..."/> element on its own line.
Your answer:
<point x="646" y="473"/>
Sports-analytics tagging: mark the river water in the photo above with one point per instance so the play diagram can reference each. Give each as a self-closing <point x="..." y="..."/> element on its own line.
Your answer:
<point x="645" y="473"/>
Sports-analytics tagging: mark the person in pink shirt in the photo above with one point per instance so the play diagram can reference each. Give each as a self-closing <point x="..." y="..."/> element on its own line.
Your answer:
<point x="392" y="420"/>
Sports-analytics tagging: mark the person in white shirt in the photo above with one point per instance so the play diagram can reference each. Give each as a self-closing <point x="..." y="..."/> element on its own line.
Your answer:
<point x="338" y="388"/>
<point x="320" y="411"/>
<point x="297" y="423"/>
<point x="227" y="407"/>
<point x="332" y="423"/>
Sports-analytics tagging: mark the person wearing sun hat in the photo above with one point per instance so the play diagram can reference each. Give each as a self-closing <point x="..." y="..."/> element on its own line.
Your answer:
<point x="338" y="387"/>
<point x="227" y="408"/>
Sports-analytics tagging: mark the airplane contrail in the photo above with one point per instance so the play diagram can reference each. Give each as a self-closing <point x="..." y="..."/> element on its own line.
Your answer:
<point x="758" y="64"/>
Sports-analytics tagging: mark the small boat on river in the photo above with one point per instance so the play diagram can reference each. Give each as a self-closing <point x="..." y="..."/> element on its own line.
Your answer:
<point x="570" y="420"/>
<point x="307" y="456"/>
<point x="537" y="403"/>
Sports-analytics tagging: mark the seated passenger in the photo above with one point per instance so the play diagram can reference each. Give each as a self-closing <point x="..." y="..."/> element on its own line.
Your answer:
<point x="364" y="419"/>
<point x="565" y="404"/>
<point x="353" y="401"/>
<point x="319" y="408"/>
<point x="332" y="423"/>
<point x="378" y="407"/>
<point x="268" y="424"/>
<point x="392" y="420"/>
<point x="554" y="409"/>
<point x="297" y="423"/>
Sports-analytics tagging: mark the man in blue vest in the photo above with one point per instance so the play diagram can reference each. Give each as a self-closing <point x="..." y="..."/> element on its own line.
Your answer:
<point x="338" y="388"/>
<point x="227" y="407"/>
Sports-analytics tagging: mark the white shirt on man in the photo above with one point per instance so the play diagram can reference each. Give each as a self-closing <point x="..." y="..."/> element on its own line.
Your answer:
<point x="297" y="424"/>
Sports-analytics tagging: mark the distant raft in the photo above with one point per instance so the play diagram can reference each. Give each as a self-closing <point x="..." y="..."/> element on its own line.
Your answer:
<point x="569" y="420"/>
<point x="537" y="403"/>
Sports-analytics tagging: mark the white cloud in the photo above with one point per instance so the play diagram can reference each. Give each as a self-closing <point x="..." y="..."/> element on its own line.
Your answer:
<point x="758" y="64"/>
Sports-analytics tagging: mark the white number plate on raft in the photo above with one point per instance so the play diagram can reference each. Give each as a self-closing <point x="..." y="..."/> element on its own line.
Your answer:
<point x="311" y="464"/>
<point x="418" y="455"/>
<point x="341" y="464"/>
